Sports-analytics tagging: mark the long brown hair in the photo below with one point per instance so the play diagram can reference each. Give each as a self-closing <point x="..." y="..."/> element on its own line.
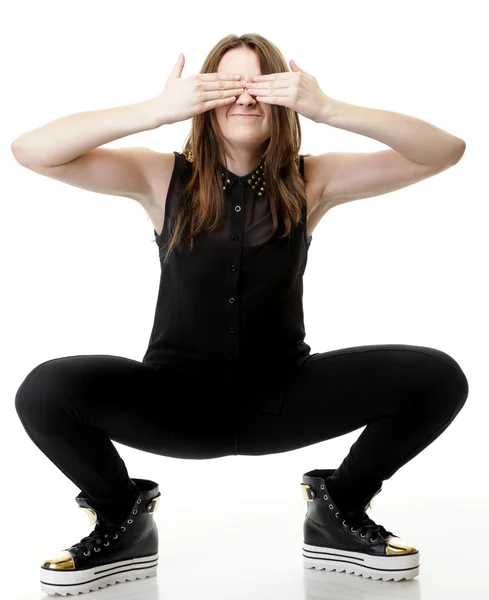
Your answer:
<point x="203" y="206"/>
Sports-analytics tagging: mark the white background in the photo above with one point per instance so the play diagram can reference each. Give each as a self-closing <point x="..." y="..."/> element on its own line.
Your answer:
<point x="80" y="276"/>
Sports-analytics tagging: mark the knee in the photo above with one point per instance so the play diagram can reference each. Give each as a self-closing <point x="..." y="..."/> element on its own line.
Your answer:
<point x="452" y="379"/>
<point x="37" y="396"/>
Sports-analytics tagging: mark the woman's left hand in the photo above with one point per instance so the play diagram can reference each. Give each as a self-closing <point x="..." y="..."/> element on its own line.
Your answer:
<point x="295" y="89"/>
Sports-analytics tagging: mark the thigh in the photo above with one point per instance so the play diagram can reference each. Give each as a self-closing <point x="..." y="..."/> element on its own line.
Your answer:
<point x="151" y="408"/>
<point x="337" y="392"/>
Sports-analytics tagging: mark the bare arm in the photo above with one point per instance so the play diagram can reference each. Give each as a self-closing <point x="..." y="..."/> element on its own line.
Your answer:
<point x="60" y="141"/>
<point x="67" y="150"/>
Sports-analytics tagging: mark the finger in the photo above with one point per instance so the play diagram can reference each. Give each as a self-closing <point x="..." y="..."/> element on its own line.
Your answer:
<point x="220" y="81"/>
<point x="210" y="104"/>
<point x="210" y="88"/>
<point x="221" y="84"/>
<point x="219" y="95"/>
<point x="265" y="85"/>
<point x="219" y="76"/>
<point x="234" y="86"/>
<point x="268" y="92"/>
<point x="268" y="100"/>
<point x="272" y="76"/>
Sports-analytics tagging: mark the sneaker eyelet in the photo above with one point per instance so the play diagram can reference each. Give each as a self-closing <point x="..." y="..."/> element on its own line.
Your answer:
<point x="134" y="512"/>
<point x="130" y="521"/>
<point x="362" y="535"/>
<point x="123" y="529"/>
<point x="331" y="507"/>
<point x="96" y="549"/>
<point x="139" y="501"/>
<point x="353" y="530"/>
<point x="86" y="554"/>
<point x="114" y="537"/>
<point x="336" y="515"/>
<point x="322" y="486"/>
<point x="372" y="540"/>
<point x="106" y="543"/>
<point x="325" y="497"/>
<point x="344" y="523"/>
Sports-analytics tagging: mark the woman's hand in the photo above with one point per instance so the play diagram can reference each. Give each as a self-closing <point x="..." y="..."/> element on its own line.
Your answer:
<point x="182" y="99"/>
<point x="295" y="89"/>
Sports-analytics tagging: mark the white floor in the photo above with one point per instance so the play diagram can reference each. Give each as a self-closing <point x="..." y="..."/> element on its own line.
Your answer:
<point x="217" y="542"/>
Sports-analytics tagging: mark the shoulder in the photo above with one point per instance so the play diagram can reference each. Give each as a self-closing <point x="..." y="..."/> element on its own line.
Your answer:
<point x="161" y="169"/>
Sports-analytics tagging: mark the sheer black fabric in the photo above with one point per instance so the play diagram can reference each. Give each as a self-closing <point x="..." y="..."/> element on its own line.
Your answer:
<point x="235" y="300"/>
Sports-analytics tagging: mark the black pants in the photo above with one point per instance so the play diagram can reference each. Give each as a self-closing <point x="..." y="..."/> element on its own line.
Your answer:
<point x="406" y="396"/>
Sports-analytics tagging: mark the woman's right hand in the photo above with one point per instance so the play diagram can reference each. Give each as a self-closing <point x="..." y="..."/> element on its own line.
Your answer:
<point x="184" y="98"/>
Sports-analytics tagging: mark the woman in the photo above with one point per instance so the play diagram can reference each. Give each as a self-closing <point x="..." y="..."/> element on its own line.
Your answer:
<point x="233" y="216"/>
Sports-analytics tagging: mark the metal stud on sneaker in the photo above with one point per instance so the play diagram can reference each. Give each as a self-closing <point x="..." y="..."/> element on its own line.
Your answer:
<point x="131" y="548"/>
<point x="338" y="541"/>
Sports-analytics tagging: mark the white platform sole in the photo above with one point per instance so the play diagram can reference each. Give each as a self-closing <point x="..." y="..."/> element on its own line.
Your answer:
<point x="376" y="567"/>
<point x="88" y="580"/>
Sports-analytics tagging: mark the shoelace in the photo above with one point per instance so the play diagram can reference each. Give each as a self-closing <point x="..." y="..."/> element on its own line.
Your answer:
<point x="100" y="536"/>
<point x="364" y="524"/>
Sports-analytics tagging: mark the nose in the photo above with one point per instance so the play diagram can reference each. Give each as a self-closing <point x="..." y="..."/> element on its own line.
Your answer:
<point x="246" y="98"/>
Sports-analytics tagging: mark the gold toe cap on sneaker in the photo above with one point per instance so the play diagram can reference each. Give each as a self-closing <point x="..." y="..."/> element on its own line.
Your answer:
<point x="63" y="563"/>
<point x="397" y="546"/>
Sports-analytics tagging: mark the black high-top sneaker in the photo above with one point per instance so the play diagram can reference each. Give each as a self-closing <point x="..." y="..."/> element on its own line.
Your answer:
<point x="112" y="553"/>
<point x="350" y="541"/>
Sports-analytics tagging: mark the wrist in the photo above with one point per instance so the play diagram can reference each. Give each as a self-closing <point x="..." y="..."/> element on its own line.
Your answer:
<point x="152" y="108"/>
<point x="329" y="109"/>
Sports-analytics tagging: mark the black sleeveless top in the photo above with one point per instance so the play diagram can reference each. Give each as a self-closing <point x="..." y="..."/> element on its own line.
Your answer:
<point x="234" y="301"/>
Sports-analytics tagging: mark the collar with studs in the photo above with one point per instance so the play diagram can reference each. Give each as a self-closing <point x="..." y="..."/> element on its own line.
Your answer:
<point x="252" y="181"/>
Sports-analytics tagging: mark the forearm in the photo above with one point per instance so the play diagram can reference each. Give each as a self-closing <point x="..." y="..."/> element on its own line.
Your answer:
<point x="64" y="139"/>
<point x="415" y="139"/>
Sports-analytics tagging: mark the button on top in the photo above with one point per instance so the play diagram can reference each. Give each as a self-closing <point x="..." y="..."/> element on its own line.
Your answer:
<point x="237" y="208"/>
<point x="231" y="300"/>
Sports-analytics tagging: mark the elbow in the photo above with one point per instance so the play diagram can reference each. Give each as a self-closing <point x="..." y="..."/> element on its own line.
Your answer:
<point x="19" y="153"/>
<point x="458" y="152"/>
<point x="16" y="150"/>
